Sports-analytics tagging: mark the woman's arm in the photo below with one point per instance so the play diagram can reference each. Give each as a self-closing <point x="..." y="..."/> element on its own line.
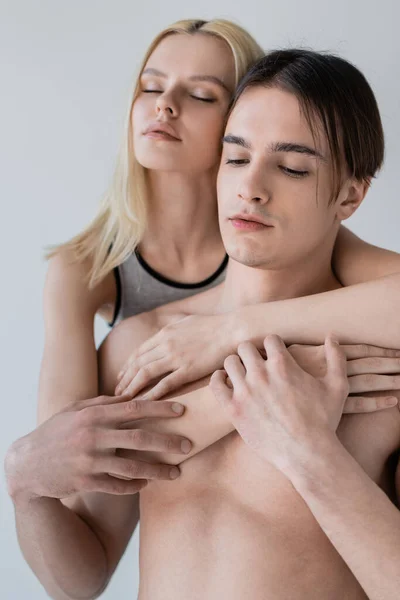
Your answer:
<point x="356" y="261"/>
<point x="366" y="313"/>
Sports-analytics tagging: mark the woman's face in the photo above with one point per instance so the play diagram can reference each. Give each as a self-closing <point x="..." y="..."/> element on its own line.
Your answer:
<point x="185" y="90"/>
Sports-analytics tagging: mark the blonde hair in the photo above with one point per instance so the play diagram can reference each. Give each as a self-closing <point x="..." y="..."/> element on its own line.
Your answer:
<point x="121" y="219"/>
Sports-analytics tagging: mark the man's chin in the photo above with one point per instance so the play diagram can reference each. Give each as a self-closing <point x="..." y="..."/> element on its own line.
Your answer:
<point x="249" y="259"/>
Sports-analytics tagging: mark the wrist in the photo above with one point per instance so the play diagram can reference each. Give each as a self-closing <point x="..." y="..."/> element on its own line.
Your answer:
<point x="307" y="464"/>
<point x="18" y="483"/>
<point x="240" y="326"/>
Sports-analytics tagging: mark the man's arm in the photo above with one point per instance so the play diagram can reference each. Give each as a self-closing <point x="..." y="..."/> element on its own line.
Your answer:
<point x="355" y="514"/>
<point x="72" y="545"/>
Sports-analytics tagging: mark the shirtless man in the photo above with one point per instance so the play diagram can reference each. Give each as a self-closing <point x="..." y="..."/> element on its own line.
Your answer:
<point x="277" y="508"/>
<point x="261" y="509"/>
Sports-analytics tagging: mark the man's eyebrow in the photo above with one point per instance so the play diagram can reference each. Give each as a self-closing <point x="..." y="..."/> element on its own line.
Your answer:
<point x="236" y="139"/>
<point x="293" y="147"/>
<point x="210" y="78"/>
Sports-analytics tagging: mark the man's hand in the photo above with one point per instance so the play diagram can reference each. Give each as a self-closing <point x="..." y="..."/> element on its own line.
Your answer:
<point x="75" y="450"/>
<point x="279" y="409"/>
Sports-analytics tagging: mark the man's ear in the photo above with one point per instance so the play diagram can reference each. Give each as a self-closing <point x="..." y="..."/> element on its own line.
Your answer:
<point x="350" y="198"/>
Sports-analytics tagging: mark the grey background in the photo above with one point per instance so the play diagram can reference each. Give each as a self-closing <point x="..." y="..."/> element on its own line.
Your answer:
<point x="65" y="75"/>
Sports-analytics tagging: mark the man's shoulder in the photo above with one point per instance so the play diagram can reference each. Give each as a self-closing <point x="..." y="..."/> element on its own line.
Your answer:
<point x="135" y="330"/>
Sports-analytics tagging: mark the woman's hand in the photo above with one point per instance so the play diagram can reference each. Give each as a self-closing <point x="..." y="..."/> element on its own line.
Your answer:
<point x="181" y="352"/>
<point x="373" y="373"/>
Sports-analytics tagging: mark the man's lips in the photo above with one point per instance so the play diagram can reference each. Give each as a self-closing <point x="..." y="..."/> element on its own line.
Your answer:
<point x="249" y="223"/>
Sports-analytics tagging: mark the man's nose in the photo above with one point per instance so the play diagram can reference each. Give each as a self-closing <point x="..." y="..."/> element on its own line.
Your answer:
<point x="252" y="188"/>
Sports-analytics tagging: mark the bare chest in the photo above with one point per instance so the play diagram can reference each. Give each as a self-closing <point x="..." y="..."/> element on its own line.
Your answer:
<point x="233" y="470"/>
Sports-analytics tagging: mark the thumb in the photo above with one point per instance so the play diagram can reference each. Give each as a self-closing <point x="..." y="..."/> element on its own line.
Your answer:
<point x="220" y="389"/>
<point x="336" y="360"/>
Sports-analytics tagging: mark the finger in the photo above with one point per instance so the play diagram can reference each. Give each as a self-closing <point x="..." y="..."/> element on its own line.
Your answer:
<point x="146" y="375"/>
<point x="354" y="351"/>
<point x="273" y="344"/>
<point x="136" y="469"/>
<point x="235" y="370"/>
<point x="276" y="350"/>
<point x="250" y="356"/>
<point x="370" y="382"/>
<point x="335" y="361"/>
<point x="101" y="401"/>
<point x="132" y="410"/>
<point x="220" y="389"/>
<point x="140" y="439"/>
<point x="134" y="367"/>
<point x="150" y="344"/>
<point x="365" y="404"/>
<point x="373" y="365"/>
<point x="168" y="384"/>
<point x="111" y="485"/>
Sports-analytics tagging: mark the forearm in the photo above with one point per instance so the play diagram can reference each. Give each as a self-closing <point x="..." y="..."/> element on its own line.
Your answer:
<point x="363" y="313"/>
<point x="203" y="423"/>
<point x="59" y="546"/>
<point x="62" y="551"/>
<point x="355" y="260"/>
<point x="355" y="514"/>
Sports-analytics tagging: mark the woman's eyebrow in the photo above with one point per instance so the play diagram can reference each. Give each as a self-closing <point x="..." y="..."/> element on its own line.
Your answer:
<point x="210" y="78"/>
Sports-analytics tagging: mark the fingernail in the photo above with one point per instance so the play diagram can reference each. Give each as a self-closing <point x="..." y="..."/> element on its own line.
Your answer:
<point x="392" y="401"/>
<point x="174" y="473"/>
<point x="177" y="408"/>
<point x="186" y="446"/>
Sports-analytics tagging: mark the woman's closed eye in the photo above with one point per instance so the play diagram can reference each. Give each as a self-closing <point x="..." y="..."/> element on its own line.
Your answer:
<point x="210" y="100"/>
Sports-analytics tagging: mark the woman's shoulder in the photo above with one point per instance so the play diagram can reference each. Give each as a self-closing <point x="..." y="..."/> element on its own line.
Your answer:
<point x="67" y="279"/>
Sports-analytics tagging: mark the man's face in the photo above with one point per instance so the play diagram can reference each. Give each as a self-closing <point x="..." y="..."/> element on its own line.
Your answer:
<point x="268" y="171"/>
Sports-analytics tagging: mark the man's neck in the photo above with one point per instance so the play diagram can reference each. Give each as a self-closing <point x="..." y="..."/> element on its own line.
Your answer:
<point x="249" y="285"/>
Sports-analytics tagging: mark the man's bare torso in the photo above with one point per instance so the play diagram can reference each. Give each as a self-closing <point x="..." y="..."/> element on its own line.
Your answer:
<point x="232" y="526"/>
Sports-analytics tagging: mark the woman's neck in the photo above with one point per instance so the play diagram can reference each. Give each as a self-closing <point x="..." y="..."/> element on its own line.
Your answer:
<point x="183" y="213"/>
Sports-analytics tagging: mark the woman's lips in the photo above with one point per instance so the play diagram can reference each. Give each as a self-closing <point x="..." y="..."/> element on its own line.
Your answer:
<point x="248" y="225"/>
<point x="161" y="135"/>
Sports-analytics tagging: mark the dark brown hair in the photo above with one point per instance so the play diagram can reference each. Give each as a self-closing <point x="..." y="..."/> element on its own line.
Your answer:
<point x="334" y="93"/>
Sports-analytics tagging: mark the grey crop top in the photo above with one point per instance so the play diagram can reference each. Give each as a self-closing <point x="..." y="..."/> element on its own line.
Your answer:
<point x="140" y="288"/>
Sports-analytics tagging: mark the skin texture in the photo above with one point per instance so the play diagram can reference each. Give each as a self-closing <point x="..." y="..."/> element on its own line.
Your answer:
<point x="74" y="545"/>
<point x="239" y="505"/>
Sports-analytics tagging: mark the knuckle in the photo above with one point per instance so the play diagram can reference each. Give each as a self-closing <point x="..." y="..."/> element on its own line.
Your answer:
<point x="133" y="407"/>
<point x="358" y="403"/>
<point x="271" y="337"/>
<point x="169" y="346"/>
<point x="137" y="437"/>
<point x="373" y="363"/>
<point x="243" y="346"/>
<point x="84" y="482"/>
<point x="85" y="416"/>
<point x="394" y="382"/>
<point x="369" y="379"/>
<point x="145" y="371"/>
<point x="364" y="350"/>
<point x="171" y="443"/>
<point x="133" y="469"/>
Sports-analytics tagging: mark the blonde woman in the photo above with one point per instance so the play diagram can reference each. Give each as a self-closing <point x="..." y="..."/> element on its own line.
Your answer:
<point x="155" y="239"/>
